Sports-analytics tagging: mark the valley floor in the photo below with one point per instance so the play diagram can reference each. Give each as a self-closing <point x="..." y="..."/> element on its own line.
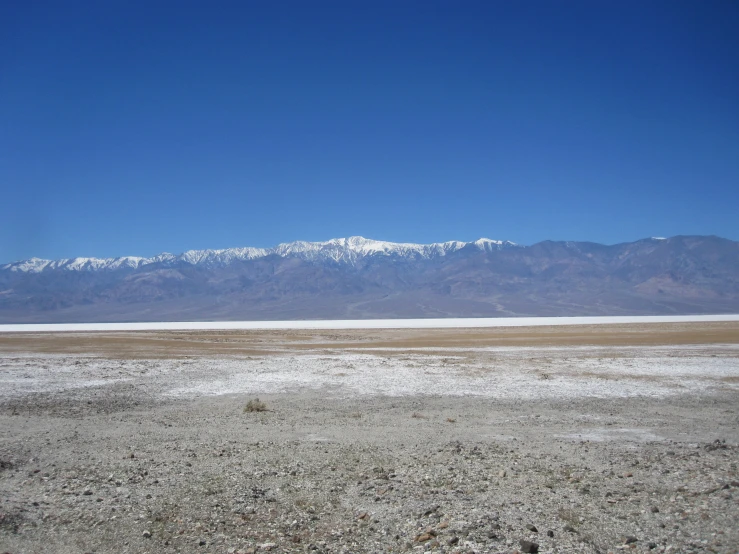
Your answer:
<point x="576" y="439"/>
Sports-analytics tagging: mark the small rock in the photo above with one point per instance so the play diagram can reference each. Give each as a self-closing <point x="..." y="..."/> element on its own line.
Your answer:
<point x="453" y="541"/>
<point x="532" y="528"/>
<point x="423" y="537"/>
<point x="654" y="509"/>
<point x="431" y="509"/>
<point x="528" y="546"/>
<point x="652" y="545"/>
<point x="502" y="473"/>
<point x="628" y="539"/>
<point x="146" y="534"/>
<point x="550" y="533"/>
<point x="87" y="492"/>
<point x="202" y="542"/>
<point x="569" y="529"/>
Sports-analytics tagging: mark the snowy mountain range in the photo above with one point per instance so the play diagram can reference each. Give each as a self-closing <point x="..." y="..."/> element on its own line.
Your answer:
<point x="356" y="278"/>
<point x="344" y="250"/>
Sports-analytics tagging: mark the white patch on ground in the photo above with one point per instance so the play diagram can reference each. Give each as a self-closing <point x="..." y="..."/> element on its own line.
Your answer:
<point x="508" y="375"/>
<point x="621" y="435"/>
<point x="441" y="323"/>
<point x="499" y="373"/>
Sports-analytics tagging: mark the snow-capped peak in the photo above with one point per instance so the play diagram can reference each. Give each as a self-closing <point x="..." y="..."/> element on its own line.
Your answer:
<point x="342" y="250"/>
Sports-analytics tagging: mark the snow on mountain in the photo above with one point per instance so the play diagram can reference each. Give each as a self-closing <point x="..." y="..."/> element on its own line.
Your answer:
<point x="354" y="248"/>
<point x="212" y="258"/>
<point x="342" y="250"/>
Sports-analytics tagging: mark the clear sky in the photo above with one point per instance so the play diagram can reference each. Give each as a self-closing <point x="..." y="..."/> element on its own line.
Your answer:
<point x="132" y="128"/>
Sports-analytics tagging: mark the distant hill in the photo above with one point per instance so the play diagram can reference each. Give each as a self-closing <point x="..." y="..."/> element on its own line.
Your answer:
<point x="358" y="278"/>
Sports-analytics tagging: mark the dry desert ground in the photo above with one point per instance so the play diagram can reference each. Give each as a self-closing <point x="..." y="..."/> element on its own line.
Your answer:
<point x="593" y="439"/>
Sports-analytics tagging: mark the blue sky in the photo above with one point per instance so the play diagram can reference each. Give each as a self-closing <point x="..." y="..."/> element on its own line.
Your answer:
<point x="132" y="128"/>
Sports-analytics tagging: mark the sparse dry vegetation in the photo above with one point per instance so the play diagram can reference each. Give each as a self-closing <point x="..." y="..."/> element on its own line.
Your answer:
<point x="255" y="405"/>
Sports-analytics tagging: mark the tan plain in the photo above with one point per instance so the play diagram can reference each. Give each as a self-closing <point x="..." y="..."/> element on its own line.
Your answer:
<point x="173" y="344"/>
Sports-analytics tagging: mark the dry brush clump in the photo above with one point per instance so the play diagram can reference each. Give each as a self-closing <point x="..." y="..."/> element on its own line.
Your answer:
<point x="255" y="405"/>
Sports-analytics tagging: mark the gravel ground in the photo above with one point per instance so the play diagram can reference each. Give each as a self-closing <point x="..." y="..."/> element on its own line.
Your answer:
<point x="444" y="449"/>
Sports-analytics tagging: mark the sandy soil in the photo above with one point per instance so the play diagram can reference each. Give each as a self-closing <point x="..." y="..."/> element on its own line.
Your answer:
<point x="574" y="439"/>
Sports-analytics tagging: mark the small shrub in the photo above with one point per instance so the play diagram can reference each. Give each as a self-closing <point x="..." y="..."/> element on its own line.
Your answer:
<point x="255" y="405"/>
<point x="451" y="420"/>
<point x="568" y="515"/>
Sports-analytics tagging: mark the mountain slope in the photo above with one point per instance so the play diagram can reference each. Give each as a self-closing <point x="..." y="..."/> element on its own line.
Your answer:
<point x="362" y="278"/>
<point x="348" y="250"/>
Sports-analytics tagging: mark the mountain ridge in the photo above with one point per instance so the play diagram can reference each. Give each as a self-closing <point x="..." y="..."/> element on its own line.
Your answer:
<point x="357" y="278"/>
<point x="339" y="249"/>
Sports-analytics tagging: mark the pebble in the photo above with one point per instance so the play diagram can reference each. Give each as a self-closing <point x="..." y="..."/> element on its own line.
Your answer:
<point x="528" y="546"/>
